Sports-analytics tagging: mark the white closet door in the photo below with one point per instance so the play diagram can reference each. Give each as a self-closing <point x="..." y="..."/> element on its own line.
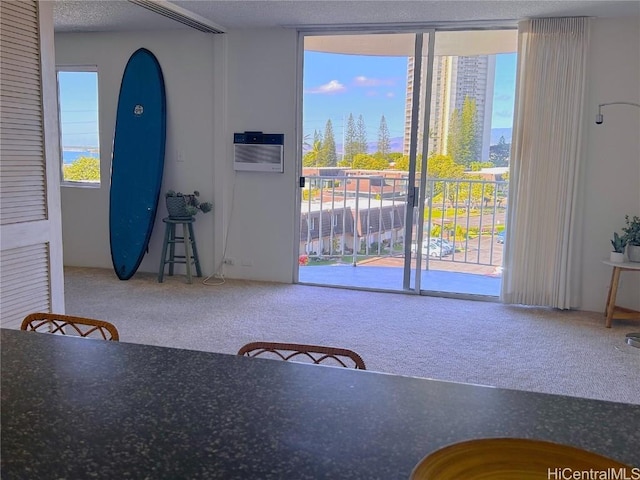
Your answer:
<point x="31" y="275"/>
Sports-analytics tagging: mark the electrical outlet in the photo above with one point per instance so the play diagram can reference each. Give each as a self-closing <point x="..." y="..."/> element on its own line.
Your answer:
<point x="229" y="261"/>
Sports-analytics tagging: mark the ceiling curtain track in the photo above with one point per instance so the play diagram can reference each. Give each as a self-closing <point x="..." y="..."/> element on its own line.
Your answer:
<point x="541" y="262"/>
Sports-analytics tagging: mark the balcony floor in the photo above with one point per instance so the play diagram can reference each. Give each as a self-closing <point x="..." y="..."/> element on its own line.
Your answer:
<point x="380" y="277"/>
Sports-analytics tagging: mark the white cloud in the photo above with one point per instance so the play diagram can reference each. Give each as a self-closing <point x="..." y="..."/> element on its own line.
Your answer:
<point x="362" y="81"/>
<point x="390" y="94"/>
<point x="334" y="86"/>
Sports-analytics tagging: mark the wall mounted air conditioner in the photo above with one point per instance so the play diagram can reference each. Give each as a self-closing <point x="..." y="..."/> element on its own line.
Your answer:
<point x="258" y="152"/>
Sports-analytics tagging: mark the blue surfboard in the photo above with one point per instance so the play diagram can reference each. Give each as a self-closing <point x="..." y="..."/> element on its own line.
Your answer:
<point x="137" y="162"/>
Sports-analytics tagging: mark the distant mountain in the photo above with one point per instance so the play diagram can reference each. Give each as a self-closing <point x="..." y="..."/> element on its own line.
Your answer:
<point x="496" y="133"/>
<point x="397" y="143"/>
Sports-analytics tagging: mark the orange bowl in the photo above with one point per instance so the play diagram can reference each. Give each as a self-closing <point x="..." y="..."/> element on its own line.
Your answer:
<point x="509" y="459"/>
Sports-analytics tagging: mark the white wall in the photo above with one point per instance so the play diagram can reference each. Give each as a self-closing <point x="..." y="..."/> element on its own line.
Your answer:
<point x="612" y="171"/>
<point x="186" y="58"/>
<point x="261" y="96"/>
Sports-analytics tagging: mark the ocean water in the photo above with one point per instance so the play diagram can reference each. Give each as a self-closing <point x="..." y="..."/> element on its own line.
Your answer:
<point x="70" y="156"/>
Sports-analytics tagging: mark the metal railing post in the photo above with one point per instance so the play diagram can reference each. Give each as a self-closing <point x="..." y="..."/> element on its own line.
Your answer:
<point x="356" y="218"/>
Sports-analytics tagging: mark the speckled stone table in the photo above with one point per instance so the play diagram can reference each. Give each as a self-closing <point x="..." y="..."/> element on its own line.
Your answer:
<point x="76" y="408"/>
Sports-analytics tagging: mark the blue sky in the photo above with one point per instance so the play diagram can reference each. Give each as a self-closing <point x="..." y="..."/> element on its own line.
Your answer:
<point x="336" y="85"/>
<point x="504" y="91"/>
<point x="79" y="108"/>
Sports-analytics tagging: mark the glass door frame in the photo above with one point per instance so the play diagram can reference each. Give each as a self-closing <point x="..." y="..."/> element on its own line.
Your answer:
<point x="417" y="196"/>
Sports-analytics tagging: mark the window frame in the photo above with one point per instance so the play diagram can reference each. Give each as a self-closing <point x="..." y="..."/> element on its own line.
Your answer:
<point x="78" y="69"/>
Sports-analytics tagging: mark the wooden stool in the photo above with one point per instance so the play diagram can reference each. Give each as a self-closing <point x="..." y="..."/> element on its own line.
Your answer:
<point x="188" y="239"/>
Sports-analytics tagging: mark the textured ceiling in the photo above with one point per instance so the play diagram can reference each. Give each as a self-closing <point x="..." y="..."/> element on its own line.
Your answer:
<point x="120" y="15"/>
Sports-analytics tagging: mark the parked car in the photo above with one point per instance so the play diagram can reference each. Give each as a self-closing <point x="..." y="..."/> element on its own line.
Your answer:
<point x="500" y="237"/>
<point x="431" y="249"/>
<point x="434" y="248"/>
<point x="446" y="247"/>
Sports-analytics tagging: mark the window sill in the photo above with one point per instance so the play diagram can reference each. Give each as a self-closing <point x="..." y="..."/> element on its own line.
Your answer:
<point x="81" y="184"/>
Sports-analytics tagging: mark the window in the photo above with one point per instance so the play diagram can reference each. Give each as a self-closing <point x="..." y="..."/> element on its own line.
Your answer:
<point x="79" y="129"/>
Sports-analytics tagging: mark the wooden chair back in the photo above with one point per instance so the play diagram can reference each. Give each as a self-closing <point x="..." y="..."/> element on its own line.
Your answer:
<point x="68" y="325"/>
<point x="304" y="353"/>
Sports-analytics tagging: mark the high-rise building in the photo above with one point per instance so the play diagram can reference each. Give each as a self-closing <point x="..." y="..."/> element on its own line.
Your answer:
<point x="454" y="79"/>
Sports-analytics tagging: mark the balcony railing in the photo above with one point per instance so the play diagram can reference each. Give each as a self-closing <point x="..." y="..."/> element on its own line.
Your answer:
<point x="354" y="218"/>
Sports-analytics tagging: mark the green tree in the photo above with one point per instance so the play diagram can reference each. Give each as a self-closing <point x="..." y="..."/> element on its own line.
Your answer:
<point x="384" y="139"/>
<point x="443" y="166"/>
<point x="395" y="157"/>
<point x="350" y="141"/>
<point x="475" y="193"/>
<point x="462" y="143"/>
<point x="402" y="163"/>
<point x="345" y="163"/>
<point x="499" y="154"/>
<point x="84" y="169"/>
<point x="313" y="156"/>
<point x="477" y="166"/>
<point x="369" y="162"/>
<point x="470" y="130"/>
<point x="329" y="155"/>
<point x="306" y="142"/>
<point x="361" y="136"/>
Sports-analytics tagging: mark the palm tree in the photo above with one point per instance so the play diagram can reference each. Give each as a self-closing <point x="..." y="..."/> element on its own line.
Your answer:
<point x="306" y="145"/>
<point x="313" y="156"/>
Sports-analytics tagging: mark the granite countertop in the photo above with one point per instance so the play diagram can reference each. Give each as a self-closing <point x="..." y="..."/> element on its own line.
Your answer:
<point x="77" y="408"/>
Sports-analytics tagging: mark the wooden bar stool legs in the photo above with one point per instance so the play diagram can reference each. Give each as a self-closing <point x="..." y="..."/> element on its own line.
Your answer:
<point x="194" y="250"/>
<point x="188" y="239"/>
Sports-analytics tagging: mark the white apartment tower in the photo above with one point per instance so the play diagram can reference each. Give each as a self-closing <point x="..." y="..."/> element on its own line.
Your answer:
<point x="454" y="79"/>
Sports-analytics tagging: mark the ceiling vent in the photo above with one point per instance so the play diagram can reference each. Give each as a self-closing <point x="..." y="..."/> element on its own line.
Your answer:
<point x="190" y="19"/>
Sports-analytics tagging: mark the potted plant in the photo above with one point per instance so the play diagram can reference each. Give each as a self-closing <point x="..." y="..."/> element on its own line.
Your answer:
<point x="632" y="237"/>
<point x="618" y="242"/>
<point x="181" y="205"/>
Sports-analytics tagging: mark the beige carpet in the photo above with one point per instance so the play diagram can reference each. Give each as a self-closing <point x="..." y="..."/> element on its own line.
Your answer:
<point x="524" y="348"/>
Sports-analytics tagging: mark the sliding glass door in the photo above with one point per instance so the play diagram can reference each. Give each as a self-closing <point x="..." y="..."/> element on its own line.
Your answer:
<point x="358" y="194"/>
<point x="395" y="125"/>
<point x="467" y="98"/>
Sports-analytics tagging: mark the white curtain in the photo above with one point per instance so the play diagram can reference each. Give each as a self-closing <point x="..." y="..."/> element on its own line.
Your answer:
<point x="541" y="263"/>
